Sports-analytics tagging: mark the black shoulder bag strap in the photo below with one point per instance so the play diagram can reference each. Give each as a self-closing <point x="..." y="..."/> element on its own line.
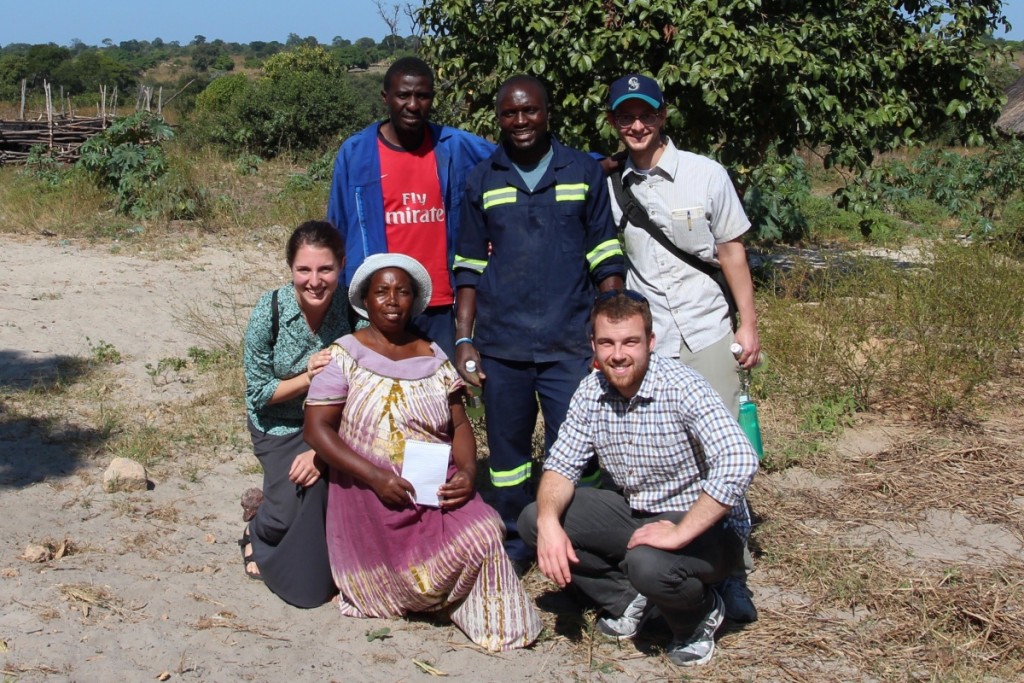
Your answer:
<point x="635" y="214"/>
<point x="275" y="319"/>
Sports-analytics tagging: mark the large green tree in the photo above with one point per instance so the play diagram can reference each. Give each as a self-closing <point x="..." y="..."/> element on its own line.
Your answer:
<point x="41" y="61"/>
<point x="92" y="69"/>
<point x="303" y="100"/>
<point x="744" y="78"/>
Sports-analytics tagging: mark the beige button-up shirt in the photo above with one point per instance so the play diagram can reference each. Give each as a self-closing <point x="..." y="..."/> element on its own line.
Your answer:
<point x="692" y="200"/>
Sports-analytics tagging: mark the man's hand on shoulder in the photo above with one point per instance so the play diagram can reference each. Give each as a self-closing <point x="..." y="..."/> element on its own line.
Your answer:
<point x="662" y="534"/>
<point x="554" y="553"/>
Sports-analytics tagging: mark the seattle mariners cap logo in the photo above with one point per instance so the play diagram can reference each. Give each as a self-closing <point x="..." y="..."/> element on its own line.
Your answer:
<point x="635" y="86"/>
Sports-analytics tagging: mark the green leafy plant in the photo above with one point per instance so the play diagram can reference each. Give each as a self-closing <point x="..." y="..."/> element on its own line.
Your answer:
<point x="128" y="158"/>
<point x="830" y="415"/>
<point x="248" y="164"/>
<point x="160" y="373"/>
<point x="323" y="167"/>
<point x="974" y="187"/>
<point x="43" y="166"/>
<point x="205" y="359"/>
<point x="774" y="199"/>
<point x="378" y="634"/>
<point x="302" y="101"/>
<point x="103" y="352"/>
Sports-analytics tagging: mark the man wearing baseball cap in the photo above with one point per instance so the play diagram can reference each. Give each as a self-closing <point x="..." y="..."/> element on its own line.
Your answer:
<point x="681" y="220"/>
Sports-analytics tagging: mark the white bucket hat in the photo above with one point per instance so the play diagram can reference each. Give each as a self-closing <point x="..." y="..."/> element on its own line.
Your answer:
<point x="377" y="262"/>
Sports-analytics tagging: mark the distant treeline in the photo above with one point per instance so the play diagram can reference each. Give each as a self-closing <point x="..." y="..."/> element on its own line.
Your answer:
<point x="81" y="69"/>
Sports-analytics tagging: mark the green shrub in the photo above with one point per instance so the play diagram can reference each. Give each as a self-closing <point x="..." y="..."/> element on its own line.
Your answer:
<point x="303" y="102"/>
<point x="43" y="166"/>
<point x="774" y="196"/>
<point x="826" y="220"/>
<point x="216" y="111"/>
<point x="303" y="59"/>
<point x="970" y="187"/>
<point x="323" y="167"/>
<point x="176" y="195"/>
<point x="829" y="415"/>
<point x="923" y="211"/>
<point x="128" y="158"/>
<point x="301" y="198"/>
<point x="248" y="164"/>
<point x="1010" y="226"/>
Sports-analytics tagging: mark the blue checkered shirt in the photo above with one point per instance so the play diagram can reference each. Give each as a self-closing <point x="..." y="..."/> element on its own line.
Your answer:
<point x="671" y="441"/>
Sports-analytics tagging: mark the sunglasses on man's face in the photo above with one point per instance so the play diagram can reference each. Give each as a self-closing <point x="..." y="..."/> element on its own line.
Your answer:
<point x="627" y="120"/>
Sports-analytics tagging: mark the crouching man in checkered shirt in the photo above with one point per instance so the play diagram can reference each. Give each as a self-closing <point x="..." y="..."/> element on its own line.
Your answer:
<point x="683" y="465"/>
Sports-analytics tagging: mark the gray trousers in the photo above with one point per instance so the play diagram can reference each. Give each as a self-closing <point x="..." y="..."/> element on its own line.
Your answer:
<point x="289" y="540"/>
<point x="599" y="524"/>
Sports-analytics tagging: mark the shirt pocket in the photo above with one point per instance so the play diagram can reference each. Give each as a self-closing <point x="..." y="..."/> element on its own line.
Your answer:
<point x="691" y="231"/>
<point x="566" y="231"/>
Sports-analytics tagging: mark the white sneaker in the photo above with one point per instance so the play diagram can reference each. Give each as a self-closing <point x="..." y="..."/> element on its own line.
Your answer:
<point x="629" y="624"/>
<point x="737" y="598"/>
<point x="698" y="648"/>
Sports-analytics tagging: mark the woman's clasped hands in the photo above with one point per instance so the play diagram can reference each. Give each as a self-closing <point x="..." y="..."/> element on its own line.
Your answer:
<point x="395" y="491"/>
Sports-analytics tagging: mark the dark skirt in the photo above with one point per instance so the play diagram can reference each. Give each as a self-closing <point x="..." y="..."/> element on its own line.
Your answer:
<point x="289" y="540"/>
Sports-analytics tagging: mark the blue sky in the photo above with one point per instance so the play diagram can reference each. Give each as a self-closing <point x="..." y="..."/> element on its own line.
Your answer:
<point x="243" y="21"/>
<point x="60" y="21"/>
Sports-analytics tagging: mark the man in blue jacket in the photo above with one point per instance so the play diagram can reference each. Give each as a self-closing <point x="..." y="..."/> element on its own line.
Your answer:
<point x="536" y="243"/>
<point x="398" y="187"/>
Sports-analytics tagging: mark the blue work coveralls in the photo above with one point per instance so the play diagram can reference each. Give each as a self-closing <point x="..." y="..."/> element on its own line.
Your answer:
<point x="535" y="258"/>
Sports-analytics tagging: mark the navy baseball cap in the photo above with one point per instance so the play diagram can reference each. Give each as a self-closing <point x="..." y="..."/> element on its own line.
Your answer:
<point x="635" y="86"/>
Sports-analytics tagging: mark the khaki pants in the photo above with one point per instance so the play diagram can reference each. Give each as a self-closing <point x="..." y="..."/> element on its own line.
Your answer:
<point x="719" y="367"/>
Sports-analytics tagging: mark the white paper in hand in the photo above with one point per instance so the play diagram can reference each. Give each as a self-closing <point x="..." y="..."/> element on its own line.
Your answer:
<point x="426" y="467"/>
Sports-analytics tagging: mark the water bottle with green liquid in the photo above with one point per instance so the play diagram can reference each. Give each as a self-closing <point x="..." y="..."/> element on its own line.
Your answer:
<point x="749" y="423"/>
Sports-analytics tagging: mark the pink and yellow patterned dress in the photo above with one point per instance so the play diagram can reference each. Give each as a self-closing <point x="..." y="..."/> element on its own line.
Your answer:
<point x="391" y="561"/>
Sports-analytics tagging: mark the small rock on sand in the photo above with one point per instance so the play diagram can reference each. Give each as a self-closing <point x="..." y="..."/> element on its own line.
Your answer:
<point x="36" y="553"/>
<point x="124" y="475"/>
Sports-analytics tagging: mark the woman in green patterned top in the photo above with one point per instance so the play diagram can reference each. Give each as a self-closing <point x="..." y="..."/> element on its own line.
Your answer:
<point x="285" y="347"/>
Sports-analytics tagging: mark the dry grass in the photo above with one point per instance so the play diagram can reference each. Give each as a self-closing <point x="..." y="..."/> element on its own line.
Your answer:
<point x="876" y="615"/>
<point x="90" y="413"/>
<point x="228" y="620"/>
<point x="248" y="209"/>
<point x="965" y="473"/>
<point x="92" y="601"/>
<point x="222" y="324"/>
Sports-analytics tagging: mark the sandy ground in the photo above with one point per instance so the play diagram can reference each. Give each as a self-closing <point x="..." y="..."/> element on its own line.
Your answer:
<point x="153" y="588"/>
<point x="155" y="582"/>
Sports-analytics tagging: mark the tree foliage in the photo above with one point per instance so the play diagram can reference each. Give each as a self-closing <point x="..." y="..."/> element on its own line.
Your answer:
<point x="91" y="69"/>
<point x="303" y="101"/>
<point x="206" y="56"/>
<point x="304" y="57"/>
<point x="745" y="79"/>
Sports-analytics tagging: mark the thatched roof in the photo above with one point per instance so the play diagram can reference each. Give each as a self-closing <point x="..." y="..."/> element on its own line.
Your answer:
<point x="1011" y="120"/>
